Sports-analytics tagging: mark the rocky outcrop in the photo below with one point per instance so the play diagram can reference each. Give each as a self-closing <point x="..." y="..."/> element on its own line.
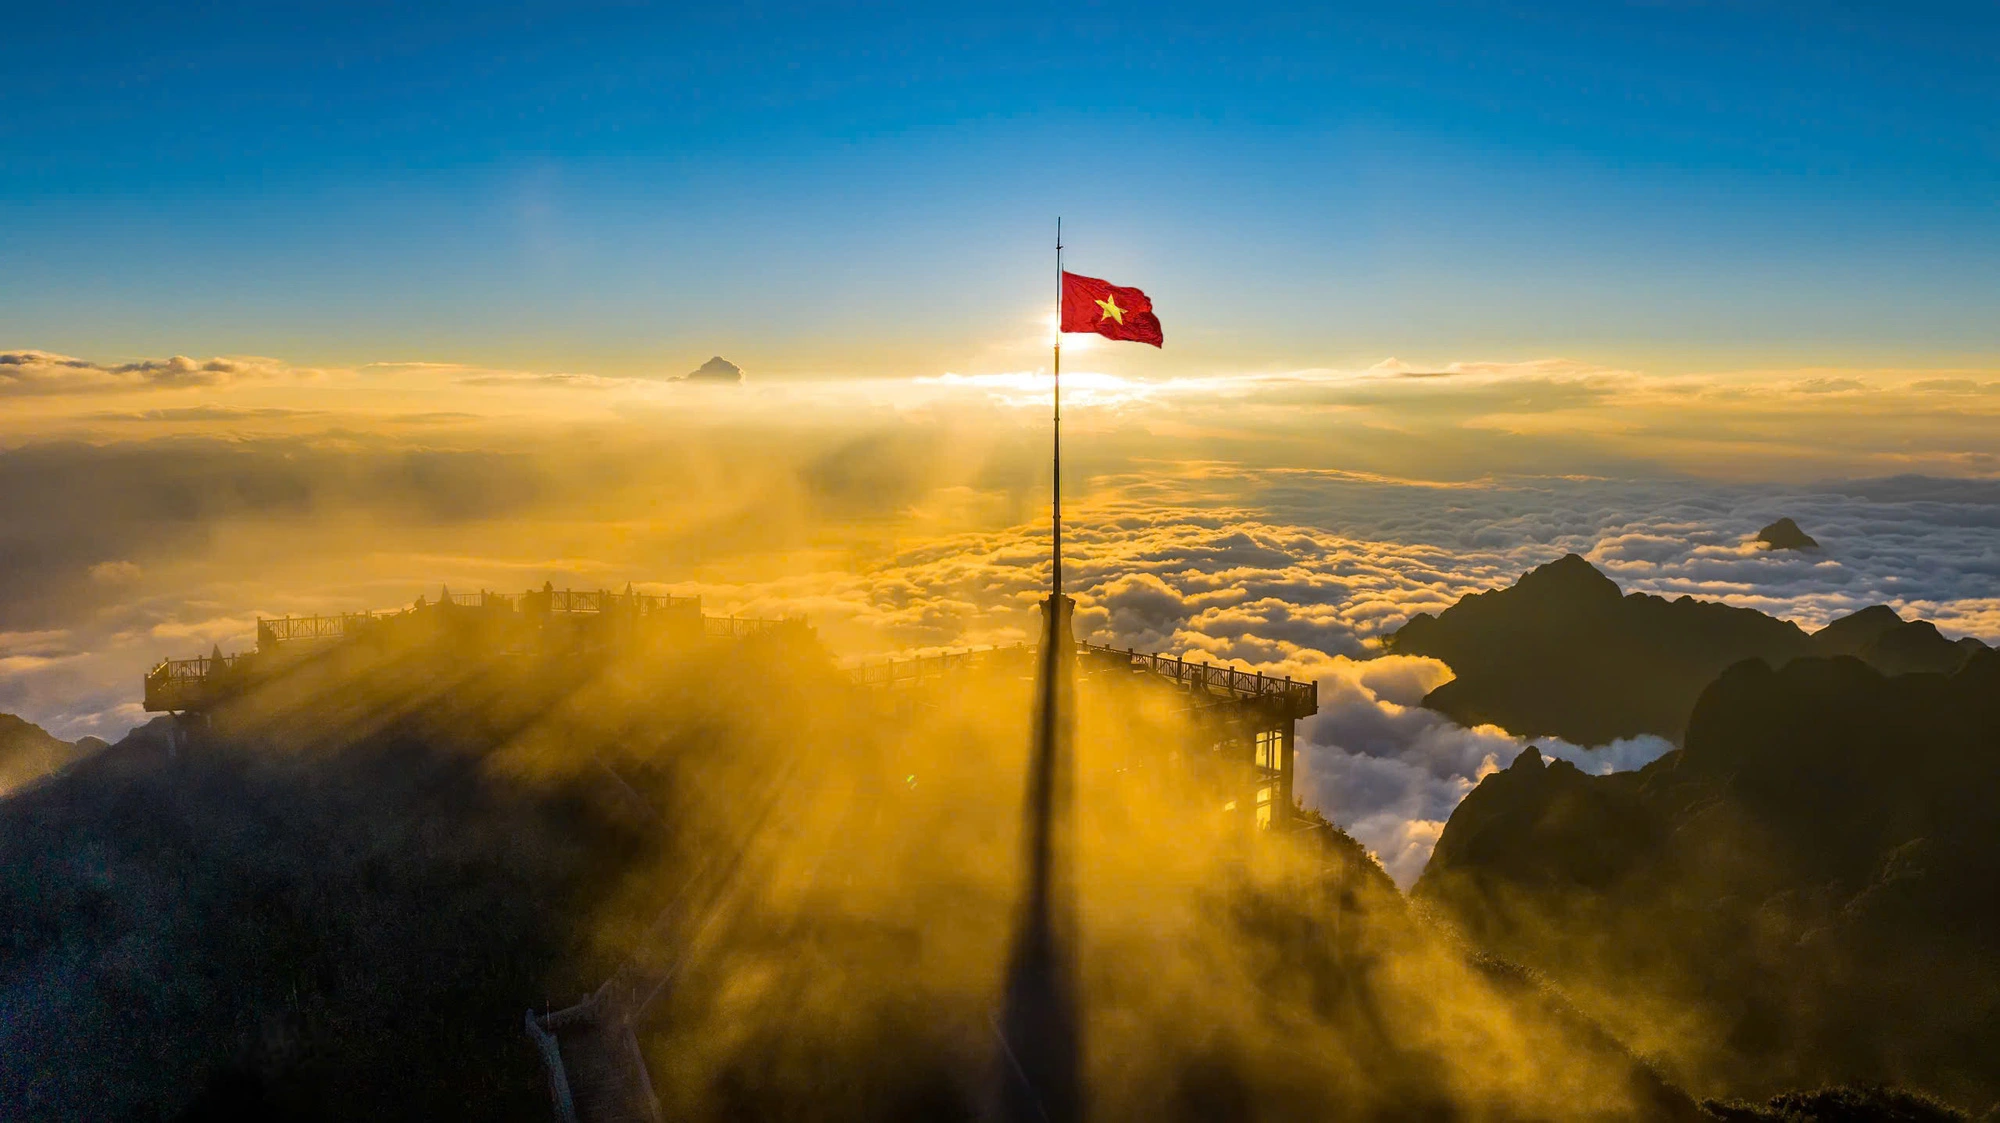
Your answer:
<point x="1562" y="652"/>
<point x="1786" y="535"/>
<point x="717" y="369"/>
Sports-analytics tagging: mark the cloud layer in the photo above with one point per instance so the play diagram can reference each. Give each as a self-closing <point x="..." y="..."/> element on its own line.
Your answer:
<point x="1282" y="571"/>
<point x="25" y="373"/>
<point x="1280" y="522"/>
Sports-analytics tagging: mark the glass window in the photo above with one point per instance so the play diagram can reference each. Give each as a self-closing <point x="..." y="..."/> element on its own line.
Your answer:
<point x="1270" y="749"/>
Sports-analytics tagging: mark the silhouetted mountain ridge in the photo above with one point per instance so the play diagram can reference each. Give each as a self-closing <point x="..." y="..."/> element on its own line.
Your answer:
<point x="1816" y="874"/>
<point x="1562" y="652"/>
<point x="338" y="895"/>
<point x="1852" y="634"/>
<point x="28" y="752"/>
<point x="717" y="369"/>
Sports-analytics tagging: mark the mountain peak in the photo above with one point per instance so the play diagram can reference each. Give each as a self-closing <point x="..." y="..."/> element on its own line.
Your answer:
<point x="1563" y="652"/>
<point x="717" y="369"/>
<point x="1569" y="577"/>
<point x="28" y="752"/>
<point x="1786" y="535"/>
<point x="1855" y="631"/>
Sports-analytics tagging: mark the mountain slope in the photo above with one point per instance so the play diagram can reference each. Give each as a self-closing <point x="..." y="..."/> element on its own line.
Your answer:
<point x="28" y="752"/>
<point x="1562" y="652"/>
<point x="1786" y="535"/>
<point x="338" y="899"/>
<point x="1813" y="881"/>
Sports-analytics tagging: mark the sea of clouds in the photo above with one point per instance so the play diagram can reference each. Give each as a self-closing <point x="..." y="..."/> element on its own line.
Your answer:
<point x="1293" y="573"/>
<point x="1202" y="521"/>
<point x="1307" y="580"/>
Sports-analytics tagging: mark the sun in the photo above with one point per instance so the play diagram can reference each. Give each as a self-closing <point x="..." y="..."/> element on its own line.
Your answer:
<point x="1073" y="342"/>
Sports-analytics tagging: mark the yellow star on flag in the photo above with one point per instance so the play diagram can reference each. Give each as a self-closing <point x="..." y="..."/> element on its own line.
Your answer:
<point x="1111" y="309"/>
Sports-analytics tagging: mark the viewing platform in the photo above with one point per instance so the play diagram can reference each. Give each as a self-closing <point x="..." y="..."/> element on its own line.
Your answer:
<point x="179" y="685"/>
<point x="1294" y="699"/>
<point x="1252" y="717"/>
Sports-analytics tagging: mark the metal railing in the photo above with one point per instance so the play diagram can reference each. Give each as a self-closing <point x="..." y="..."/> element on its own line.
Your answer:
<point x="736" y="627"/>
<point x="273" y="630"/>
<point x="1300" y="698"/>
<point x="175" y="684"/>
<point x="293" y="629"/>
<point x="891" y="672"/>
<point x="484" y="599"/>
<point x="183" y="684"/>
<point x="576" y="600"/>
<point x="585" y="600"/>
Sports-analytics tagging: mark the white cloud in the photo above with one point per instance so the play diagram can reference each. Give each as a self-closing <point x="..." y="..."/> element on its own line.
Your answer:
<point x="115" y="573"/>
<point x="1391" y="772"/>
<point x="28" y="373"/>
<point x="1295" y="568"/>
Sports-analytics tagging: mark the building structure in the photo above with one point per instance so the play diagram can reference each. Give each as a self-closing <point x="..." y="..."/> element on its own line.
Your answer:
<point x="541" y="619"/>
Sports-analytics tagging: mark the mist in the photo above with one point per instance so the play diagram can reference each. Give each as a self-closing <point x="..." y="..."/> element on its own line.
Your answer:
<point x="820" y="879"/>
<point x="905" y="517"/>
<point x="535" y="582"/>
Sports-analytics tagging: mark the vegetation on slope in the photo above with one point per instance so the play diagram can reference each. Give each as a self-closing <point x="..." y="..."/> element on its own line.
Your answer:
<point x="1807" y="892"/>
<point x="28" y="752"/>
<point x="339" y="902"/>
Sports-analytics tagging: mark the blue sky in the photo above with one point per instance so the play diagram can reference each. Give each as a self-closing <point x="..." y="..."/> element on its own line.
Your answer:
<point x="867" y="189"/>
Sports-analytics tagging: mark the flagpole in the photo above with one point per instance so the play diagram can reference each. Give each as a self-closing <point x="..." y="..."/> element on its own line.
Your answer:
<point x="1055" y="486"/>
<point x="1038" y="1025"/>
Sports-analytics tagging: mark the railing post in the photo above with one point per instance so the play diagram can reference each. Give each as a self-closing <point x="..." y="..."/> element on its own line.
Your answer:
<point x="1281" y="812"/>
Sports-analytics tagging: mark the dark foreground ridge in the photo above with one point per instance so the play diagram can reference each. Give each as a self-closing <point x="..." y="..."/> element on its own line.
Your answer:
<point x="728" y="880"/>
<point x="1808" y="891"/>
<point x="1563" y="653"/>
<point x="335" y="895"/>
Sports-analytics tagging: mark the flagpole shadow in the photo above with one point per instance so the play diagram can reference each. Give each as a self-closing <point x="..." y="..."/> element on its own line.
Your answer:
<point x="1039" y="1027"/>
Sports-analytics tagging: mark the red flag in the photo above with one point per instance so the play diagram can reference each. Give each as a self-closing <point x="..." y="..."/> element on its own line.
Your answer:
<point x="1089" y="304"/>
